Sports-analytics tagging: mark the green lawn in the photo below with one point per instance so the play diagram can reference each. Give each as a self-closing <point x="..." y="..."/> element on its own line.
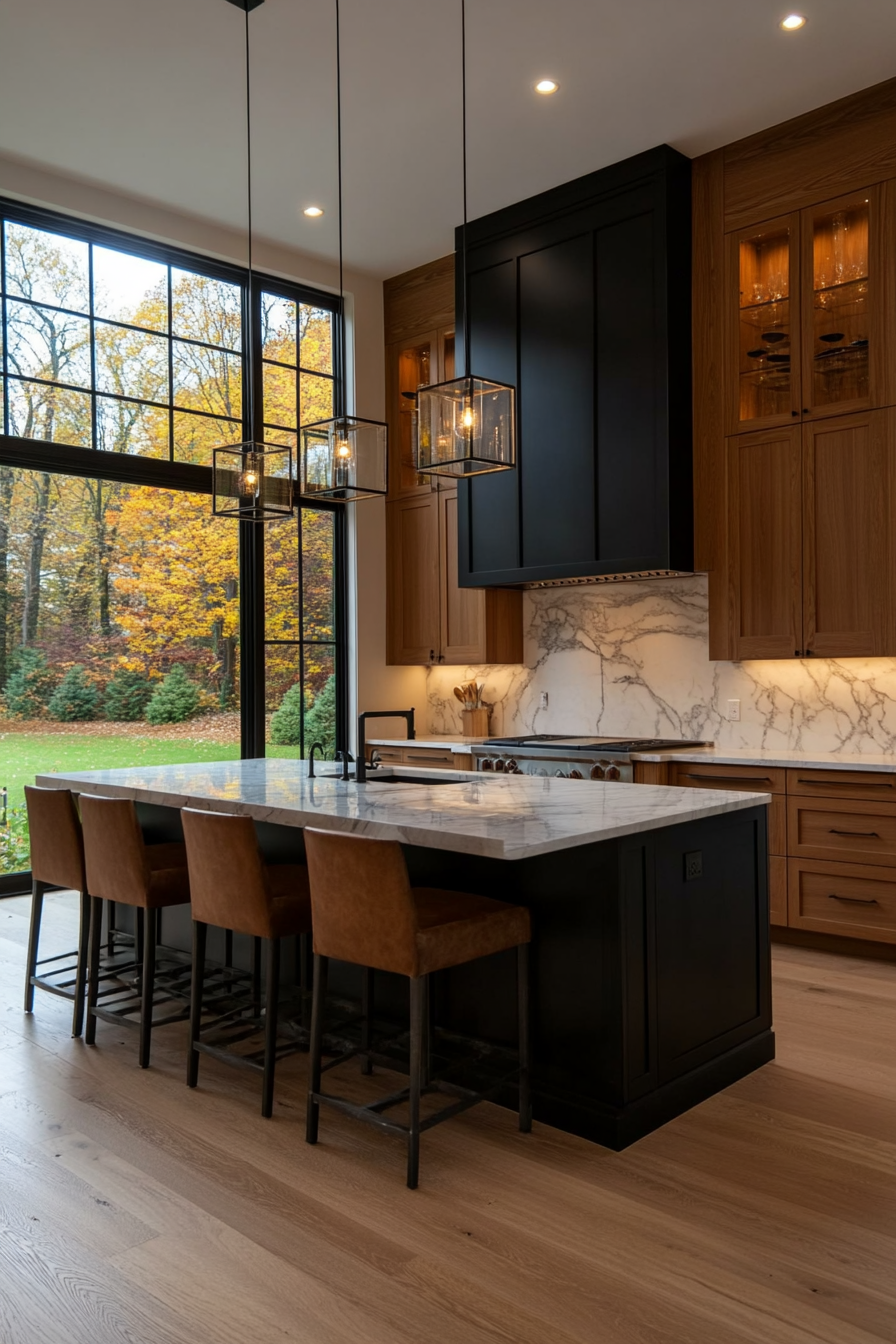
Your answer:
<point x="23" y="755"/>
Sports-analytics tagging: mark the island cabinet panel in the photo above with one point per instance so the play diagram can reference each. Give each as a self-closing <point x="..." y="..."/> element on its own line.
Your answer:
<point x="580" y="298"/>
<point x="764" y="539"/>
<point x="849" y="536"/>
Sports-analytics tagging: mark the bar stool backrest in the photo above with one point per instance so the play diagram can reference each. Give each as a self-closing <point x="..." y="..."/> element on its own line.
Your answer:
<point x="114" y="850"/>
<point x="362" y="909"/>
<point x="57" y="845"/>
<point x="228" y="882"/>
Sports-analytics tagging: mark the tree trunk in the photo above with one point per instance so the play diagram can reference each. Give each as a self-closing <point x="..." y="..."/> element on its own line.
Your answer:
<point x="40" y="519"/>
<point x="7" y="481"/>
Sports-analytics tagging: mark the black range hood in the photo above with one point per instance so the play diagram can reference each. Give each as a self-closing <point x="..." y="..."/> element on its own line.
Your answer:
<point x="581" y="298"/>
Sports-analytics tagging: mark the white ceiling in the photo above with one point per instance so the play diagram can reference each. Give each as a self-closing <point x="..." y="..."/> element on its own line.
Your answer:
<point x="148" y="96"/>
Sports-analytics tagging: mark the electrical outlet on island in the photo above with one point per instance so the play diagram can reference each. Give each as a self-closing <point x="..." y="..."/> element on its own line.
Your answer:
<point x="734" y="711"/>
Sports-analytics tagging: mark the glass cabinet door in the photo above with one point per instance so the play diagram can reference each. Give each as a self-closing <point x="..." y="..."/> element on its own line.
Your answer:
<point x="839" y="298"/>
<point x="763" y="265"/>
<point x="411" y="366"/>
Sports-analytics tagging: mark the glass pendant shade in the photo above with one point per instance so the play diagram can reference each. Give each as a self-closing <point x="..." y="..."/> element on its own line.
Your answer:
<point x="344" y="459"/>
<point x="252" y="481"/>
<point x="466" y="427"/>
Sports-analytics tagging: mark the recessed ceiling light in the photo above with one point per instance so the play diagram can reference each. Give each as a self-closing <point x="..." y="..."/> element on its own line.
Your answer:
<point x="547" y="86"/>
<point x="313" y="211"/>
<point x="792" y="22"/>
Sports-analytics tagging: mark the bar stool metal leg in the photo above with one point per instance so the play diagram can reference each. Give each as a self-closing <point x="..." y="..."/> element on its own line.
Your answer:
<point x="256" y="977"/>
<point x="524" y="1032"/>
<point x="93" y="968"/>
<point x="37" y="908"/>
<point x="200" y="935"/>
<point x="418" y="1029"/>
<point x="272" y="997"/>
<point x="148" y="986"/>
<point x="319" y="993"/>
<point x="366" y="1015"/>
<point x="81" y="970"/>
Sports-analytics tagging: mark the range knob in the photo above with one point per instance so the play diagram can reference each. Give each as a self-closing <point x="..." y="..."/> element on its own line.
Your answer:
<point x="511" y="767"/>
<point x="499" y="764"/>
<point x="487" y="763"/>
<point x="611" y="772"/>
<point x="558" y="774"/>
<point x="576" y="774"/>
<point x="597" y="772"/>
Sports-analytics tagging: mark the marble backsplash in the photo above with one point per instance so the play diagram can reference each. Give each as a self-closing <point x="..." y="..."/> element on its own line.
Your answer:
<point x="631" y="659"/>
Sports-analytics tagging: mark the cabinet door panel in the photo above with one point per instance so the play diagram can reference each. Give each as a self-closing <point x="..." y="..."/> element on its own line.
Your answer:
<point x="412" y="598"/>
<point x="409" y="366"/>
<point x="777" y="890"/>
<point x="764" y="527"/>
<point x="851" y="899"/>
<point x="556" y="414"/>
<point x="847" y="521"/>
<point x="462" y="609"/>
<point x="763" y="325"/>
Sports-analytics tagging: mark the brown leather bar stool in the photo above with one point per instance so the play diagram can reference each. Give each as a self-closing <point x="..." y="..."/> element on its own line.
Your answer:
<point x="122" y="867"/>
<point x="233" y="888"/>
<point x="366" y="911"/>
<point x="57" y="860"/>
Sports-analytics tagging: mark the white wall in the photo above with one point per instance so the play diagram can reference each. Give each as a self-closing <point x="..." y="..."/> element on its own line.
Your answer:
<point x="633" y="659"/>
<point x="376" y="686"/>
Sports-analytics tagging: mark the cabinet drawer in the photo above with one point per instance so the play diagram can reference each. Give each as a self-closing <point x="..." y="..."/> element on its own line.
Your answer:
<point x="852" y="900"/>
<point x="842" y="784"/>
<point x="750" y="778"/>
<point x="428" y="756"/>
<point x="395" y="754"/>
<point x="845" y="830"/>
<point x="777" y="890"/>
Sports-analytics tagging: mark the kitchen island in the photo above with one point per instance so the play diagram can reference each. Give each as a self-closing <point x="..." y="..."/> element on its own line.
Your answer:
<point x="651" y="977"/>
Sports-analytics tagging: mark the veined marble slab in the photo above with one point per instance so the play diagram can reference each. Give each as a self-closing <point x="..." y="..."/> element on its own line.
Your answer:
<point x="820" y="760"/>
<point x="515" y="817"/>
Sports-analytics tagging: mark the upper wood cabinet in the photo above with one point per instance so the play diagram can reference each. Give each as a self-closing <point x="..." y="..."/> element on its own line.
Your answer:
<point x="811" y="539"/>
<point x="808" y="316"/>
<point x="429" y="617"/>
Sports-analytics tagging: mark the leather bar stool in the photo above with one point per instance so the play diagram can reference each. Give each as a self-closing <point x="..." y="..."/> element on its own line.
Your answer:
<point x="57" y="860"/>
<point x="233" y="888"/>
<point x="122" y="867"/>
<point x="366" y="911"/>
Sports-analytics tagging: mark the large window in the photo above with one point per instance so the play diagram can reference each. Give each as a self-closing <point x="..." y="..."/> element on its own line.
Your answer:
<point x="123" y="365"/>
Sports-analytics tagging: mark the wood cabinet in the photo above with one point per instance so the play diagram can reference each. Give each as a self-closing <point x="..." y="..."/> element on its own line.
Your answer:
<point x="795" y="281"/>
<point x="579" y="297"/>
<point x="430" y="618"/>
<point x="832" y="842"/>
<point x="436" y="758"/>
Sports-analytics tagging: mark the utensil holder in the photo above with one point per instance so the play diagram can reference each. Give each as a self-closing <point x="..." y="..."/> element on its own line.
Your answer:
<point x="475" y="722"/>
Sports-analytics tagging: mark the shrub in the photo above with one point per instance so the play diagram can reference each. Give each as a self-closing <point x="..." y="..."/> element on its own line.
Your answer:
<point x="286" y="722"/>
<point x="29" y="685"/>
<point x="175" y="700"/>
<point x="75" y="699"/>
<point x="127" y="695"/>
<point x="15" y="854"/>
<point x="320" y="721"/>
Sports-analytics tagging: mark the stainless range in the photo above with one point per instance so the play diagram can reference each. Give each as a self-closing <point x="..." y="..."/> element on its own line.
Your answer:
<point x="546" y="754"/>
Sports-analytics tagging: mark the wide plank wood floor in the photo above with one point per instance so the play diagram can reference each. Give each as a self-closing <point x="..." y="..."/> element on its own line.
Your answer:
<point x="132" y="1209"/>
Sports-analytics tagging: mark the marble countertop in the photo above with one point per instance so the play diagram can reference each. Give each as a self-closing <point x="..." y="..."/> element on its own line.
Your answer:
<point x="459" y="745"/>
<point x="509" y="817"/>
<point x="822" y="760"/>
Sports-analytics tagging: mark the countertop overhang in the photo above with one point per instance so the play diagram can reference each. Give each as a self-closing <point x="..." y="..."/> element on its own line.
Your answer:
<point x="509" y="817"/>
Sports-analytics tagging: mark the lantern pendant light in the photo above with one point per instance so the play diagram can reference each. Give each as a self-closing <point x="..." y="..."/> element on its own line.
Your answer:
<point x="251" y="481"/>
<point x="467" y="426"/>
<point x="344" y="458"/>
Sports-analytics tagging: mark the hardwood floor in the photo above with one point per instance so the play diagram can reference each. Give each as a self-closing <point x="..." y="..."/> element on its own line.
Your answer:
<point x="132" y="1209"/>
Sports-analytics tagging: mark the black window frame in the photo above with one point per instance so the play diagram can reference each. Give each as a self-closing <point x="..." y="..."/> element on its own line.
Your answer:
<point x="70" y="460"/>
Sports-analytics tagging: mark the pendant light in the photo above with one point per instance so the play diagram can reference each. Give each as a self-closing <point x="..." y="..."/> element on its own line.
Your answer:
<point x="344" y="458"/>
<point x="251" y="481"/>
<point x="467" y="426"/>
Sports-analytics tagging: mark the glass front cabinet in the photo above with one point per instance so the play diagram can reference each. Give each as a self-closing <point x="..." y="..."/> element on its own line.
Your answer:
<point x="808" y="293"/>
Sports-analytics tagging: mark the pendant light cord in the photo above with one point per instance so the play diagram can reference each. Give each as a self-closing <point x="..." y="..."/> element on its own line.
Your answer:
<point x="463" y="63"/>
<point x="250" y="317"/>
<point x="343" y="381"/>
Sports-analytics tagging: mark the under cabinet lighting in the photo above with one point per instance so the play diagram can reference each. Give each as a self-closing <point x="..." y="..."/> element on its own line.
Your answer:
<point x="547" y="86"/>
<point x="793" y="22"/>
<point x="313" y="211"/>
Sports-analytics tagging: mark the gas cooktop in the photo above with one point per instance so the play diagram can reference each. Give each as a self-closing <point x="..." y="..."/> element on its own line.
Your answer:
<point x="560" y="740"/>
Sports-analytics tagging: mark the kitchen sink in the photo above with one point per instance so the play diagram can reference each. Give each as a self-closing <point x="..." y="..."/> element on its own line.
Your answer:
<point x="411" y="779"/>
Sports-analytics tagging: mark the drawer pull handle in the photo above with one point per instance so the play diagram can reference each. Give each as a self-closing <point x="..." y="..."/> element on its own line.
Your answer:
<point x="412" y="757"/>
<point x="852" y="900"/>
<point x="731" y="779"/>
<point x="841" y="784"/>
<point x="871" y="835"/>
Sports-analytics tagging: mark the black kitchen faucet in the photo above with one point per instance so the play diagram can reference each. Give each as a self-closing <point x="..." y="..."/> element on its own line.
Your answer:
<point x="407" y="714"/>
